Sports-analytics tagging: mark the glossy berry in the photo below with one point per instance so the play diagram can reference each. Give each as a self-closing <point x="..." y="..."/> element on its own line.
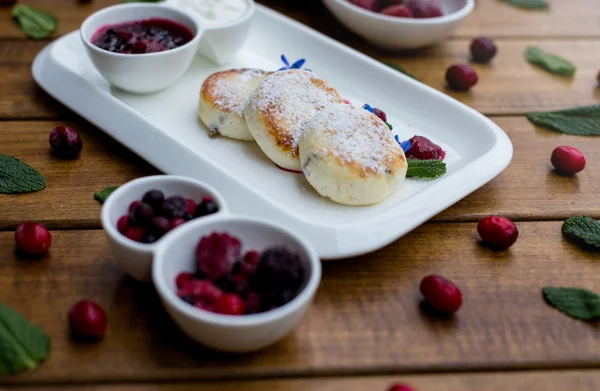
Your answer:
<point x="568" y="160"/>
<point x="399" y="11"/>
<point x="176" y="222"/>
<point x="400" y="387"/>
<point x="190" y="207"/>
<point x="441" y="294"/>
<point x="174" y="207"/>
<point x="251" y="257"/>
<point x="160" y="225"/>
<point x="33" y="238"/>
<point x="422" y="148"/>
<point x="123" y="224"/>
<point x="424" y="8"/>
<point x="65" y="142"/>
<point x="380" y="114"/>
<point x="461" y="77"/>
<point x="216" y="254"/>
<point x="498" y="232"/>
<point x="136" y="234"/>
<point x="155" y="199"/>
<point x="143" y="214"/>
<point x="205" y="208"/>
<point x="230" y="304"/>
<point x="182" y="278"/>
<point x="133" y="205"/>
<point x="483" y="49"/>
<point x="87" y="319"/>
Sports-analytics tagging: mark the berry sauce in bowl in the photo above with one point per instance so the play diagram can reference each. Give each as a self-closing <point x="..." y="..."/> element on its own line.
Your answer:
<point x="142" y="36"/>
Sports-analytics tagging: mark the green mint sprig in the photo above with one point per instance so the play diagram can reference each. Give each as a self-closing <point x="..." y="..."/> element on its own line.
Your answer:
<point x="101" y="196"/>
<point x="580" y="121"/>
<point x="36" y="23"/>
<point x="23" y="346"/>
<point x="17" y="177"/>
<point x="550" y="62"/>
<point x="529" y="4"/>
<point x="583" y="229"/>
<point x="429" y="169"/>
<point x="575" y="302"/>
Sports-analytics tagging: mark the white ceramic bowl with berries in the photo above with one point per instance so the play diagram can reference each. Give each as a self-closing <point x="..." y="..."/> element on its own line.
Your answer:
<point x="132" y="240"/>
<point x="235" y="284"/>
<point x="400" y="33"/>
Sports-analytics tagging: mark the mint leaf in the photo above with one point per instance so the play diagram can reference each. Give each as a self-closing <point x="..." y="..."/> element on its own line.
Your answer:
<point x="425" y="168"/>
<point x="400" y="69"/>
<point x="584" y="229"/>
<point x="101" y="196"/>
<point x="22" y="345"/>
<point x="549" y="62"/>
<point x="18" y="177"/>
<point x="36" y="23"/>
<point x="389" y="126"/>
<point x="580" y="121"/>
<point x="529" y="4"/>
<point x="575" y="302"/>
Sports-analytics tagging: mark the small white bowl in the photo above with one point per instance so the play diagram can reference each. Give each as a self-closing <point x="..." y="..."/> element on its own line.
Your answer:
<point x="221" y="42"/>
<point x="228" y="333"/>
<point x="140" y="73"/>
<point x="134" y="257"/>
<point x="394" y="33"/>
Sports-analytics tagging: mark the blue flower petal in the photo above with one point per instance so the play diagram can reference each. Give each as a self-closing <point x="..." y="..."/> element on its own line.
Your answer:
<point x="368" y="108"/>
<point x="285" y="61"/>
<point x="405" y="145"/>
<point x="282" y="69"/>
<point x="298" y="64"/>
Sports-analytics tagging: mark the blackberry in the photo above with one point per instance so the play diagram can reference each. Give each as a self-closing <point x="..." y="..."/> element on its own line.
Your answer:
<point x="279" y="275"/>
<point x="174" y="206"/>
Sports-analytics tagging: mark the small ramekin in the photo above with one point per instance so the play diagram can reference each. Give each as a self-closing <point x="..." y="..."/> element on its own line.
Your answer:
<point x="140" y="73"/>
<point x="238" y="334"/>
<point x="136" y="258"/>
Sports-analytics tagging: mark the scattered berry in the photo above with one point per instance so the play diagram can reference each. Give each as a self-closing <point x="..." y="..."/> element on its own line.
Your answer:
<point x="87" y="319"/>
<point x="251" y="257"/>
<point x="33" y="238"/>
<point x="461" y="77"/>
<point x="174" y="207"/>
<point x="380" y="114"/>
<point x="65" y="142"/>
<point x="400" y="387"/>
<point x="122" y="224"/>
<point x="230" y="304"/>
<point x="400" y="11"/>
<point x="155" y="199"/>
<point x="424" y="8"/>
<point x="568" y="160"/>
<point x="216" y="254"/>
<point x="483" y="49"/>
<point x="498" y="231"/>
<point x="441" y="294"/>
<point x="422" y="148"/>
<point x="135" y="233"/>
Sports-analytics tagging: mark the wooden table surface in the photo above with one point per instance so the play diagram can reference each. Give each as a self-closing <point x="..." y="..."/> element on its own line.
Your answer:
<point x="365" y="329"/>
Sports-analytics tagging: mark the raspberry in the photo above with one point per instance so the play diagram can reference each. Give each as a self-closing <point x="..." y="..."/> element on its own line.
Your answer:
<point x="216" y="254"/>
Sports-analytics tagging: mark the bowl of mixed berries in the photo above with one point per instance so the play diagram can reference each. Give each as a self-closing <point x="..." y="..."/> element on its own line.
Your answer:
<point x="235" y="284"/>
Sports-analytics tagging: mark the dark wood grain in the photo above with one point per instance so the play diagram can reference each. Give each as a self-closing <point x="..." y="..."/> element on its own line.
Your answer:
<point x="366" y="317"/>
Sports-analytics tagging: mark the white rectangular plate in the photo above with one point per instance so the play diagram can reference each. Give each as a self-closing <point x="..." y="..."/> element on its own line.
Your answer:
<point x="164" y="129"/>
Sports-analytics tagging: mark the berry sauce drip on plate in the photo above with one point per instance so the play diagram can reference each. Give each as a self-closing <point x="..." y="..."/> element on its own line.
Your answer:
<point x="142" y="36"/>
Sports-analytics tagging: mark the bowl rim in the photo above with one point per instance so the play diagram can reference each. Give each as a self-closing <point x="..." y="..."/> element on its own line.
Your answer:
<point x="160" y="7"/>
<point x="235" y="321"/>
<point x="111" y="203"/>
<point x="216" y="27"/>
<point x="448" y="18"/>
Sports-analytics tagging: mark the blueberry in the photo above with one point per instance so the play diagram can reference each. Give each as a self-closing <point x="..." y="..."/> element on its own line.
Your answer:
<point x="143" y="214"/>
<point x="155" y="199"/>
<point x="174" y="207"/>
<point x="206" y="208"/>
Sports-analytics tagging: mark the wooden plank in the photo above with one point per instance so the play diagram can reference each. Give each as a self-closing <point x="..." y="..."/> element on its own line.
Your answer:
<point x="68" y="200"/>
<point x="366" y="318"/>
<point x="527" y="190"/>
<point x="509" y="86"/>
<point x="513" y="381"/>
<point x="575" y="18"/>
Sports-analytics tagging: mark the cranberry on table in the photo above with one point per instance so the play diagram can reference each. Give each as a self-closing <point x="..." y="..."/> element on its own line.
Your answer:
<point x="568" y="160"/>
<point x="87" y="319"/>
<point x="498" y="232"/>
<point x="230" y="304"/>
<point x="461" y="77"/>
<point x="33" y="238"/>
<point x="483" y="49"/>
<point x="441" y="294"/>
<point x="65" y="142"/>
<point x="400" y="387"/>
<point x="399" y="11"/>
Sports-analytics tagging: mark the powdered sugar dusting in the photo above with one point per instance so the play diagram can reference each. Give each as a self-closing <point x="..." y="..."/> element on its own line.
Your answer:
<point x="289" y="99"/>
<point x="353" y="135"/>
<point x="230" y="93"/>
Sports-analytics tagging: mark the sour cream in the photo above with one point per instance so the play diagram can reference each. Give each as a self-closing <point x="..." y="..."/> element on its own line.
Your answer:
<point x="215" y="12"/>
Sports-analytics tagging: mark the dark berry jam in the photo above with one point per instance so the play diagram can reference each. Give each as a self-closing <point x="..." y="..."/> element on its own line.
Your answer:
<point x="142" y="36"/>
<point x="424" y="149"/>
